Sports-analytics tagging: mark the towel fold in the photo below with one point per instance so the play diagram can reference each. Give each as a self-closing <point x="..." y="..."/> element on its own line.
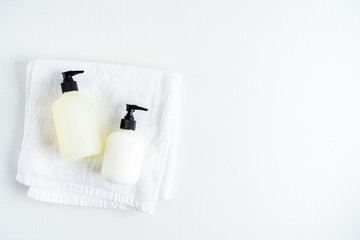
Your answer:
<point x="78" y="182"/>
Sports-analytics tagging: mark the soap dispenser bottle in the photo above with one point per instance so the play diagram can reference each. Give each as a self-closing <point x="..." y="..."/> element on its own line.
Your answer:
<point x="124" y="151"/>
<point x="75" y="121"/>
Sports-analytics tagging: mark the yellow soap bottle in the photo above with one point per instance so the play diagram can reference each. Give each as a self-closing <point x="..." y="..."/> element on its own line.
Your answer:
<point x="75" y="121"/>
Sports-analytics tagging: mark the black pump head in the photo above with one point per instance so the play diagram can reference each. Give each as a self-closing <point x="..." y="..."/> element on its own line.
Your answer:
<point x="128" y="122"/>
<point x="69" y="84"/>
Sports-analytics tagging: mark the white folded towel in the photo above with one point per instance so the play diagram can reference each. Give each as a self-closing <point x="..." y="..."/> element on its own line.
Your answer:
<point x="78" y="182"/>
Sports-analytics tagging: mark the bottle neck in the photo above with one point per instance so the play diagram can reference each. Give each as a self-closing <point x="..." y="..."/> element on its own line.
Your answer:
<point x="71" y="92"/>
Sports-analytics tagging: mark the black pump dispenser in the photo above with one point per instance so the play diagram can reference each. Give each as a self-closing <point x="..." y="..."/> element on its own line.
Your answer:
<point x="69" y="84"/>
<point x="128" y="122"/>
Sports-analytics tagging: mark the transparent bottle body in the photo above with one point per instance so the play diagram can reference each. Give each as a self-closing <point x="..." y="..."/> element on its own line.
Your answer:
<point x="76" y="126"/>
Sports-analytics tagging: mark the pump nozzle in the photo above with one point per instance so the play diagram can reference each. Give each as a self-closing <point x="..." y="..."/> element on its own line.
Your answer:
<point x="69" y="74"/>
<point x="128" y="122"/>
<point x="69" y="84"/>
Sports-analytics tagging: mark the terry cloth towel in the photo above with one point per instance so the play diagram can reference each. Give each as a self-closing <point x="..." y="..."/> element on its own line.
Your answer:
<point x="78" y="182"/>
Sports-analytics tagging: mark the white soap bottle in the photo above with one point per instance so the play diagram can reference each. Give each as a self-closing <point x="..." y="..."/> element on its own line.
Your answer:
<point x="124" y="151"/>
<point x="75" y="121"/>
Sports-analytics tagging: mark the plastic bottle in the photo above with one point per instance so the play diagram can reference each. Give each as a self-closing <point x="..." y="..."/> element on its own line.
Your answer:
<point x="75" y="121"/>
<point x="124" y="151"/>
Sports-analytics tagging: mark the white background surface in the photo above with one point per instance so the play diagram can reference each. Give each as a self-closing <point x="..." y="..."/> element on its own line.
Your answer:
<point x="270" y="129"/>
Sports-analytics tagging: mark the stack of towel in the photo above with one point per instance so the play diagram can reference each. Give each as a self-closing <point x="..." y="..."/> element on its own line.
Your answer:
<point x="78" y="182"/>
